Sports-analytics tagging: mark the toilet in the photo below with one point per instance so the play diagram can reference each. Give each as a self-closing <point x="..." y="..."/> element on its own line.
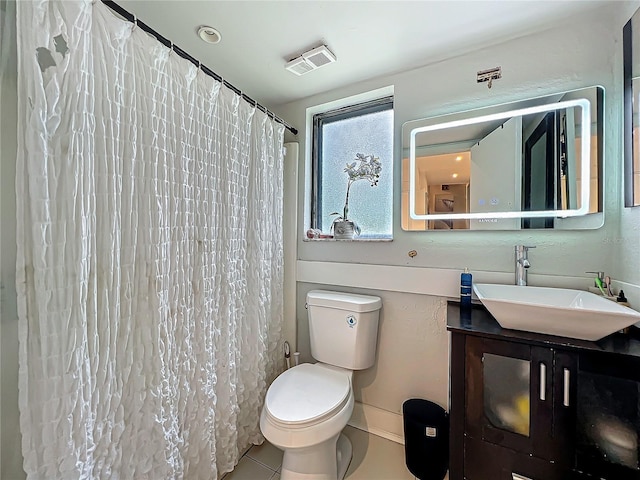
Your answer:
<point x="307" y="407"/>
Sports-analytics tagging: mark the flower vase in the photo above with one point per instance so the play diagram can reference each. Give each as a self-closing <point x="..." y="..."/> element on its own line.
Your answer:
<point x="344" y="230"/>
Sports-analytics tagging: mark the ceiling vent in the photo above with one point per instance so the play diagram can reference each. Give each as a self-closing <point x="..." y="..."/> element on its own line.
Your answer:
<point x="299" y="66"/>
<point x="311" y="60"/>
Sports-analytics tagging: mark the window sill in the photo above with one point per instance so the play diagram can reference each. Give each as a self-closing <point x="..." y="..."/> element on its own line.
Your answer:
<point x="362" y="239"/>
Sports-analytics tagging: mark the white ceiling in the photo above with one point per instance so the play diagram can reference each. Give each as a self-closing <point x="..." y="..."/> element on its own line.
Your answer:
<point x="369" y="38"/>
<point x="439" y="169"/>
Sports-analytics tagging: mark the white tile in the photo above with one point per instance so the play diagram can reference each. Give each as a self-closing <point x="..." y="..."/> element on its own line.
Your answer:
<point x="248" y="469"/>
<point x="266" y="454"/>
<point x="375" y="458"/>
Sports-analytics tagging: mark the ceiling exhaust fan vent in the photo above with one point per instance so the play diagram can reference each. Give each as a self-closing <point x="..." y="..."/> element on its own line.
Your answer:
<point x="319" y="57"/>
<point x="299" y="66"/>
<point x="311" y="60"/>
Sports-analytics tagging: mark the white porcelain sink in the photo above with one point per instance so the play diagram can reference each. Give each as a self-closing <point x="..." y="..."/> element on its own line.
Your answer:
<point x="555" y="311"/>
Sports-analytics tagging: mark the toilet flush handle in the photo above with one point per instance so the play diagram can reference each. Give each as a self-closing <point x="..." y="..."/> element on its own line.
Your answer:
<point x="287" y="354"/>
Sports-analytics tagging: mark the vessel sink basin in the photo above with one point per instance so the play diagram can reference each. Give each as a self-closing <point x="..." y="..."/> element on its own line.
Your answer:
<point x="555" y="311"/>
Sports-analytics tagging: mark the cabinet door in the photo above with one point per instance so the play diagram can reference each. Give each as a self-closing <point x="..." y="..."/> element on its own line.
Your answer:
<point x="484" y="461"/>
<point x="565" y="398"/>
<point x="508" y="399"/>
<point x="607" y="422"/>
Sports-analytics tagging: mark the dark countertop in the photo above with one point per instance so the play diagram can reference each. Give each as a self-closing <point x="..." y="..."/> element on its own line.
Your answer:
<point x="478" y="321"/>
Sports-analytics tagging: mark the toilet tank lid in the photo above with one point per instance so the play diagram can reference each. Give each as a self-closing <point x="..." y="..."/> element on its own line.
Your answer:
<point x="344" y="301"/>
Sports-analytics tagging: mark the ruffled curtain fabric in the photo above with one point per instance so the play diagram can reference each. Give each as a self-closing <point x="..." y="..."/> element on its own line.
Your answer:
<point x="150" y="258"/>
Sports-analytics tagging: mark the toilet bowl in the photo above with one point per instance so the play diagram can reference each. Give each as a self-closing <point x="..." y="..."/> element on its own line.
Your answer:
<point x="307" y="407"/>
<point x="305" y="411"/>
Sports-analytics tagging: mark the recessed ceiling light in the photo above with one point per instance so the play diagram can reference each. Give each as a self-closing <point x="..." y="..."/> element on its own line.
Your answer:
<point x="458" y="158"/>
<point x="455" y="175"/>
<point x="209" y="34"/>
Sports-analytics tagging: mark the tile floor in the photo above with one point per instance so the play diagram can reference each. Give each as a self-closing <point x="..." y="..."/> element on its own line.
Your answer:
<point x="374" y="458"/>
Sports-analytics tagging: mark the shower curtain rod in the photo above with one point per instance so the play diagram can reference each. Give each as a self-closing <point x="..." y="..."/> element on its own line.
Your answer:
<point x="169" y="44"/>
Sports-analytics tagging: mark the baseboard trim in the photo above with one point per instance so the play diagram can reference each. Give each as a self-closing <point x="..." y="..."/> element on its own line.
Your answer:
<point x="378" y="422"/>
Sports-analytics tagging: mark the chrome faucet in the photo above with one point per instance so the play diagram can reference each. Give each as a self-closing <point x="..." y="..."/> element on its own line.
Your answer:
<point x="522" y="264"/>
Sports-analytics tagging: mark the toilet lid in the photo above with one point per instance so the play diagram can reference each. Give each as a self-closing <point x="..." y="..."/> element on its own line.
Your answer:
<point x="307" y="393"/>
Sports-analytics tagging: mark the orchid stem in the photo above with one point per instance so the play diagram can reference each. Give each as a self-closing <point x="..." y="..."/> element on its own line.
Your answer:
<point x="345" y="211"/>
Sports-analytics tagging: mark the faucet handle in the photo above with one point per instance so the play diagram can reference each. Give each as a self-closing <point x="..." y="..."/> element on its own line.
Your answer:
<point x="600" y="282"/>
<point x="524" y="247"/>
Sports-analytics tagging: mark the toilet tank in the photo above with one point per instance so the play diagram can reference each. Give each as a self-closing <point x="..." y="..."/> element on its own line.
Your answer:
<point x="343" y="328"/>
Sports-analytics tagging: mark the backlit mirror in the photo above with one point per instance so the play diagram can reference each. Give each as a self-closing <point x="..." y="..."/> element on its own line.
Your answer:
<point x="523" y="165"/>
<point x="631" y="41"/>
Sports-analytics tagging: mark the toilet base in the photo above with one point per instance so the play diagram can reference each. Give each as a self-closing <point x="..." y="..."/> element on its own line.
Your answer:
<point x="344" y="454"/>
<point x="327" y="461"/>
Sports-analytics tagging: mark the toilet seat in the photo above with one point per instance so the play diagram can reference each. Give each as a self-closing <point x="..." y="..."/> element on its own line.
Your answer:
<point x="307" y="395"/>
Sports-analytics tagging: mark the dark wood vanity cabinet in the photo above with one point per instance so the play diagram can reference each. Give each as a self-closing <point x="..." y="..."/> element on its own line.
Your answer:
<point x="528" y="406"/>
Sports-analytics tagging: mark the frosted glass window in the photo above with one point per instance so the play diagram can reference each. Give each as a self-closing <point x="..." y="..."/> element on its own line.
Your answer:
<point x="338" y="136"/>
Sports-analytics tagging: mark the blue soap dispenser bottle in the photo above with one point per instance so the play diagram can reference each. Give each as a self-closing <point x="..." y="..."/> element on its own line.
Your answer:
<point x="465" y="288"/>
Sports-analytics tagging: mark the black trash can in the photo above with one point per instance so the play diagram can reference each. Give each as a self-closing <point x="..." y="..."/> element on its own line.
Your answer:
<point x="426" y="439"/>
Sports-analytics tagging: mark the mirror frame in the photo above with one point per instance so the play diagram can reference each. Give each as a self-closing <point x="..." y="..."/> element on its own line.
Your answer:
<point x="584" y="162"/>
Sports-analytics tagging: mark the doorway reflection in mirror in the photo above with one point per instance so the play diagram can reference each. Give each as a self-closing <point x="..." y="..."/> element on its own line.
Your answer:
<point x="530" y="162"/>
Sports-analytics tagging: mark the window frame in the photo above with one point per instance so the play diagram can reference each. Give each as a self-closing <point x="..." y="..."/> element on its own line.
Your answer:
<point x="321" y="118"/>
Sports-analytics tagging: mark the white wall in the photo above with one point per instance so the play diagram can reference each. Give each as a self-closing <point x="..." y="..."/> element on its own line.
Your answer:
<point x="10" y="448"/>
<point x="586" y="52"/>
<point x="532" y="66"/>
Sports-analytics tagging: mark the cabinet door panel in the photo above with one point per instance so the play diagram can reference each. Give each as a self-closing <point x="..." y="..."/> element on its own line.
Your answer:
<point x="506" y="393"/>
<point x="542" y="404"/>
<point x="564" y="406"/>
<point x="608" y="416"/>
<point x="499" y="393"/>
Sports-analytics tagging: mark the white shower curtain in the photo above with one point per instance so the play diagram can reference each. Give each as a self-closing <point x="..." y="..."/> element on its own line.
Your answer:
<point x="150" y="263"/>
